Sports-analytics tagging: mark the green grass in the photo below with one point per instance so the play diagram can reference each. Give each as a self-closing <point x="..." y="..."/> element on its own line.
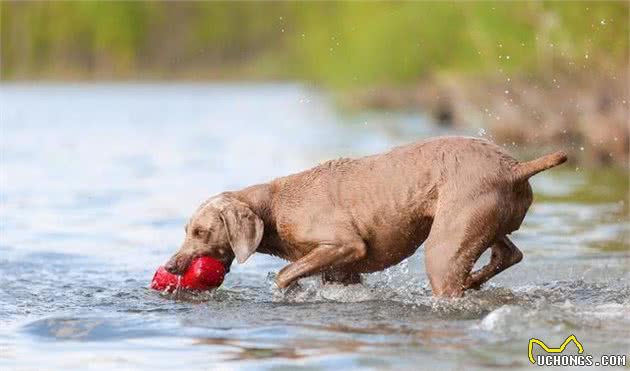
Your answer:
<point x="338" y="44"/>
<point x="600" y="185"/>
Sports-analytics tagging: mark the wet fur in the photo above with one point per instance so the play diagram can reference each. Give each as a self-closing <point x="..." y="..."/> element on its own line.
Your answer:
<point x="459" y="196"/>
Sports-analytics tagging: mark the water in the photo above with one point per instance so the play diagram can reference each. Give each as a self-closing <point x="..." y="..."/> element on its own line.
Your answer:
<point x="97" y="182"/>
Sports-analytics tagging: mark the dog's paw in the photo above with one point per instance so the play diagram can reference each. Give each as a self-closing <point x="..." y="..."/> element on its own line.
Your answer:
<point x="293" y="293"/>
<point x="282" y="282"/>
<point x="279" y="285"/>
<point x="472" y="283"/>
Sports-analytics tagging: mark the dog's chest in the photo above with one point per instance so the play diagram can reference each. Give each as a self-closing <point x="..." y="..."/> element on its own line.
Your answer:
<point x="282" y="242"/>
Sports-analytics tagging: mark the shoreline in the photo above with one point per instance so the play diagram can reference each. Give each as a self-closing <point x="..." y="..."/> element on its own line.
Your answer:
<point x="588" y="119"/>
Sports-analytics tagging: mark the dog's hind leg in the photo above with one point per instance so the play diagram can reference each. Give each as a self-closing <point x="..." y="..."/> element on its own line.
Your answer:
<point x="504" y="255"/>
<point x="461" y="232"/>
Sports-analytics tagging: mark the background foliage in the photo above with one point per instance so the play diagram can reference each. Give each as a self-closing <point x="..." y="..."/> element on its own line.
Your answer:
<point x="332" y="43"/>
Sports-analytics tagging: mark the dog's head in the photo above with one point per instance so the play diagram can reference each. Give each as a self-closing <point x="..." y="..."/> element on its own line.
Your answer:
<point x="222" y="228"/>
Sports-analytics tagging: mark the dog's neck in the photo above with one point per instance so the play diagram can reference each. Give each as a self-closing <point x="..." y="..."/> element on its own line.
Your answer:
<point x="258" y="198"/>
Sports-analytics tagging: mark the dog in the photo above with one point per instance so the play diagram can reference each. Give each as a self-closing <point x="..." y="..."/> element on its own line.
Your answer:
<point x="456" y="195"/>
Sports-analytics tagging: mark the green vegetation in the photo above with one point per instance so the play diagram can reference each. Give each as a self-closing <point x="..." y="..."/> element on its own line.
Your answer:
<point x="593" y="186"/>
<point x="334" y="43"/>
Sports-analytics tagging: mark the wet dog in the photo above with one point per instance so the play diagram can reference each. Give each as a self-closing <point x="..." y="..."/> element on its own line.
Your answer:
<point x="459" y="196"/>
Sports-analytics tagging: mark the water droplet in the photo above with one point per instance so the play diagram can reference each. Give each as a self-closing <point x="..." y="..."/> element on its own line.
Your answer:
<point x="585" y="56"/>
<point x="602" y="22"/>
<point x="481" y="132"/>
<point x="507" y="57"/>
<point x="581" y="148"/>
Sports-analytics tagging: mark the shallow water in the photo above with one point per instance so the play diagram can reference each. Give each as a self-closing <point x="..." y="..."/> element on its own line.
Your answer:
<point x="97" y="182"/>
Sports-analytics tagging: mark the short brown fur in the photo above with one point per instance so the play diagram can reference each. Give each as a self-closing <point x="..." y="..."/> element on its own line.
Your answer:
<point x="459" y="196"/>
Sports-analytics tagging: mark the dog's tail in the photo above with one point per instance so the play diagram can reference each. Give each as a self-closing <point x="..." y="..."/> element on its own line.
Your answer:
<point x="525" y="170"/>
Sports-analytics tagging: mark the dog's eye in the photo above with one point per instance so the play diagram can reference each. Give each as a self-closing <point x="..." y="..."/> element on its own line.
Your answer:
<point x="197" y="232"/>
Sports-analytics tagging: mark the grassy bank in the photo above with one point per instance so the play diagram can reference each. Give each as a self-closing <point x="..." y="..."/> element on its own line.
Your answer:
<point x="338" y="44"/>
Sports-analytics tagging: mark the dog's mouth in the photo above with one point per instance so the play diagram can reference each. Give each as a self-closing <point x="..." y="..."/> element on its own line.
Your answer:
<point x="179" y="264"/>
<point x="226" y="265"/>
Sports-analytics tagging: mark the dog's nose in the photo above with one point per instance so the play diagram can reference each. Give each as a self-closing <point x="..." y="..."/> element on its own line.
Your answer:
<point x="171" y="266"/>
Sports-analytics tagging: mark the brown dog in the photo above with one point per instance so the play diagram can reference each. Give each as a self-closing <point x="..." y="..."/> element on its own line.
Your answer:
<point x="459" y="195"/>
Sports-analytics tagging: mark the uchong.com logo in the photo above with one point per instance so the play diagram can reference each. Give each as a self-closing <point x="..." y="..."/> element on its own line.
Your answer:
<point x="554" y="356"/>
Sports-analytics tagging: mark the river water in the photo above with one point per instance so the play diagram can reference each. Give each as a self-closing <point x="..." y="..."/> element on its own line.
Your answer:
<point x="97" y="182"/>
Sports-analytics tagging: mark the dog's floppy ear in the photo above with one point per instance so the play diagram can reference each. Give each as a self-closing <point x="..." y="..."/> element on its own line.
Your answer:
<point x="244" y="229"/>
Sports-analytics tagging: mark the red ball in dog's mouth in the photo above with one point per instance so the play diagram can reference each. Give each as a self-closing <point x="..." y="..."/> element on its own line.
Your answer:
<point x="203" y="273"/>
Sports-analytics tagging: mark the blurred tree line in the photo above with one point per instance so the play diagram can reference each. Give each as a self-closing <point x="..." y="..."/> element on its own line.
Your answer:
<point x="333" y="43"/>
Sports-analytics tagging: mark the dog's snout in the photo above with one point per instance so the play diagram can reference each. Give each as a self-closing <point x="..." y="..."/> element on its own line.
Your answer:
<point x="171" y="266"/>
<point x="177" y="264"/>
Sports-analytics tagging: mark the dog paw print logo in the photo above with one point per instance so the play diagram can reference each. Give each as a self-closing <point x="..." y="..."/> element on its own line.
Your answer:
<point x="547" y="349"/>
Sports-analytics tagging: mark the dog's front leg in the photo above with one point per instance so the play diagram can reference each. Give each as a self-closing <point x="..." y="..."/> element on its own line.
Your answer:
<point x="324" y="257"/>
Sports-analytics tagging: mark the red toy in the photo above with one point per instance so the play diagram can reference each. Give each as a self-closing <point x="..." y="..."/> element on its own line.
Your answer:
<point x="204" y="273"/>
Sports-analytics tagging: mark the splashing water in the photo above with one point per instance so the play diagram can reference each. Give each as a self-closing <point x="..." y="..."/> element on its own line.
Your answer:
<point x="99" y="201"/>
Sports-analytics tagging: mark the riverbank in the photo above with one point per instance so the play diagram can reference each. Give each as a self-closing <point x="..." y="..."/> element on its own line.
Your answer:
<point x="587" y="116"/>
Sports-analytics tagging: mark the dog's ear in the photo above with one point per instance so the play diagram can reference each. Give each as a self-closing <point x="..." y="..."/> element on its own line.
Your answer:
<point x="244" y="229"/>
